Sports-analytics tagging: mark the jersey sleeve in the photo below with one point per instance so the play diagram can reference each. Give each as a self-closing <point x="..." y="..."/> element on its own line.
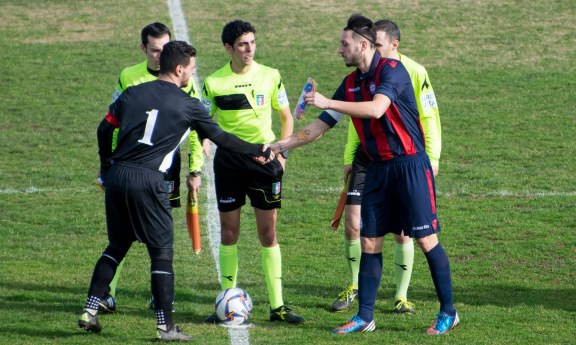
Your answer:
<point x="351" y="144"/>
<point x="429" y="116"/>
<point x="331" y="117"/>
<point x="196" y="157"/>
<point x="394" y="79"/>
<point x="279" y="96"/>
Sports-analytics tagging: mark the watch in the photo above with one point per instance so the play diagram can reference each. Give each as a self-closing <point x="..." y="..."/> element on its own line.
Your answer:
<point x="284" y="154"/>
<point x="196" y="173"/>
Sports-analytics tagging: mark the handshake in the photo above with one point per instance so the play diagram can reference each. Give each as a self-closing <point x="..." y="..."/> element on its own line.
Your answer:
<point x="269" y="152"/>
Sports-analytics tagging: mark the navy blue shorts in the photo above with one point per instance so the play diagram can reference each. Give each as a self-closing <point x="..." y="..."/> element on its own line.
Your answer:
<point x="237" y="176"/>
<point x="400" y="195"/>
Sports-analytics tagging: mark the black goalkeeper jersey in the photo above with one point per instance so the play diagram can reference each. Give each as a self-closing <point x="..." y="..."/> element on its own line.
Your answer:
<point x="154" y="118"/>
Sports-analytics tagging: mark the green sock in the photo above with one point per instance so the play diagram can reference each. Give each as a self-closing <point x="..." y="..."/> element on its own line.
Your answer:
<point x="228" y="265"/>
<point x="403" y="263"/>
<point x="114" y="281"/>
<point x="353" y="251"/>
<point x="272" y="264"/>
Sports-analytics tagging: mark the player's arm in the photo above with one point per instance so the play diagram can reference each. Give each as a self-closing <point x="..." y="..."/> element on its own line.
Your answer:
<point x="429" y="118"/>
<point x="105" y="134"/>
<point x="363" y="110"/>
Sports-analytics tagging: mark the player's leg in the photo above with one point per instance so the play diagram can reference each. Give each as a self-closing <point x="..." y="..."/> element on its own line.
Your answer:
<point x="419" y="199"/>
<point x="228" y="253"/>
<point x="352" y="254"/>
<point x="352" y="247"/>
<point x="403" y="263"/>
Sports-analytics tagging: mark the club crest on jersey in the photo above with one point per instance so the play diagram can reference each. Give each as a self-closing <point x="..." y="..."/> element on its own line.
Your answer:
<point x="260" y="100"/>
<point x="372" y="87"/>
<point x="276" y="188"/>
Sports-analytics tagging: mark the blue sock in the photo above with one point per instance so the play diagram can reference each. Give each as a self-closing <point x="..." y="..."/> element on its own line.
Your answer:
<point x="368" y="283"/>
<point x="440" y="271"/>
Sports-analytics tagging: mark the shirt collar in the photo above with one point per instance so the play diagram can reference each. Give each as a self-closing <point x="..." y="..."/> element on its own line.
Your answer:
<point x="367" y="75"/>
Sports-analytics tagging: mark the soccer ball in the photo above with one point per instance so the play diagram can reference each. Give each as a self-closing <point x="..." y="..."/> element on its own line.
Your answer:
<point x="233" y="306"/>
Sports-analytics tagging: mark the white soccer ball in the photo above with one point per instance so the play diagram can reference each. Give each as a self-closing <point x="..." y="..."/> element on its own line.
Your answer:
<point x="233" y="306"/>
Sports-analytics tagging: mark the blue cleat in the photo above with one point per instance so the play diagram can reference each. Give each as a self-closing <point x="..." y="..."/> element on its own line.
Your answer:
<point x="356" y="324"/>
<point x="443" y="324"/>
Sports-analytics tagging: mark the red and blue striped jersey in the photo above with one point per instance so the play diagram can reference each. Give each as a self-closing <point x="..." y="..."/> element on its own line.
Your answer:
<point x="398" y="132"/>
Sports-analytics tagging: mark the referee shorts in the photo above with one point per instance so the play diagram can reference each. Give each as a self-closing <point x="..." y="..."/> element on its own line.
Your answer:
<point x="238" y="175"/>
<point x="400" y="194"/>
<point x="137" y="207"/>
<point x="357" y="177"/>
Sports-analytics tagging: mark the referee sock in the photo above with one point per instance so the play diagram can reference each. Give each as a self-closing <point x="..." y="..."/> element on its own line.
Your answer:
<point x="114" y="281"/>
<point x="368" y="283"/>
<point x="272" y="264"/>
<point x="353" y="251"/>
<point x="403" y="263"/>
<point x="440" y="271"/>
<point x="228" y="265"/>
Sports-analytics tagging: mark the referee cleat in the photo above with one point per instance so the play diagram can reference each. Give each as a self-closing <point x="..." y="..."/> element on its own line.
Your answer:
<point x="174" y="334"/>
<point x="89" y="322"/>
<point x="283" y="313"/>
<point x="107" y="304"/>
<point x="356" y="324"/>
<point x="213" y="318"/>
<point x="402" y="306"/>
<point x="345" y="299"/>
<point x="443" y="324"/>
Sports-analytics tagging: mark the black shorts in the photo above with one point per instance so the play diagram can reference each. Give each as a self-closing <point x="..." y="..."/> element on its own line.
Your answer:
<point x="357" y="177"/>
<point x="237" y="175"/>
<point x="172" y="178"/>
<point x="137" y="207"/>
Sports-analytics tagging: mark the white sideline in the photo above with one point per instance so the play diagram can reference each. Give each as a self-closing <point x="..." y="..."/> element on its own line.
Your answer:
<point x="238" y="336"/>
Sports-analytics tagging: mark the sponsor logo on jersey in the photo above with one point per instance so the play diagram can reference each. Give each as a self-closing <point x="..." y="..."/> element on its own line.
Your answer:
<point x="428" y="101"/>
<point x="240" y="86"/>
<point x="354" y="89"/>
<point x="227" y="201"/>
<point x="276" y="188"/>
<point x="260" y="100"/>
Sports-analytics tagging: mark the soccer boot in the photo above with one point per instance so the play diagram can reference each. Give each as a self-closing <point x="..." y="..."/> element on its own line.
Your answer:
<point x="89" y="322"/>
<point x="356" y="324"/>
<point x="443" y="324"/>
<point x="212" y="318"/>
<point x="174" y="334"/>
<point x="345" y="299"/>
<point x="283" y="313"/>
<point x="107" y="304"/>
<point x="402" y="306"/>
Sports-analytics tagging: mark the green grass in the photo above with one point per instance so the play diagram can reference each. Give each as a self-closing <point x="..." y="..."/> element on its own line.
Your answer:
<point x="503" y="72"/>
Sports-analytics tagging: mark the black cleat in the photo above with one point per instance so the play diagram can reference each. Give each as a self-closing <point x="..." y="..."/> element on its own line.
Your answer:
<point x="283" y="313"/>
<point x="89" y="322"/>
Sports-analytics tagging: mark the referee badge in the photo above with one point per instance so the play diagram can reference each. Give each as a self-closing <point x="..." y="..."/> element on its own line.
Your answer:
<point x="276" y="188"/>
<point x="260" y="100"/>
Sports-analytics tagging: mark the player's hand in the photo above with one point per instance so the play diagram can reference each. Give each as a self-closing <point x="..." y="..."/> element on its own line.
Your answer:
<point x="435" y="170"/>
<point x="206" y="147"/>
<point x="266" y="156"/>
<point x="316" y="99"/>
<point x="347" y="171"/>
<point x="194" y="183"/>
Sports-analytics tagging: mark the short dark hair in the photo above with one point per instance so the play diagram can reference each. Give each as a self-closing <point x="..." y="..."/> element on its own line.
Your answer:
<point x="389" y="27"/>
<point x="361" y="26"/>
<point x="234" y="29"/>
<point x="175" y="53"/>
<point x="155" y="30"/>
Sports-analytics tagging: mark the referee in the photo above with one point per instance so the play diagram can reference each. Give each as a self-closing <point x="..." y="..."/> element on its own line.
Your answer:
<point x="154" y="118"/>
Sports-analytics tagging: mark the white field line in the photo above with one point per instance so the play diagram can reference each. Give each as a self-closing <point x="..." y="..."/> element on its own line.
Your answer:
<point x="238" y="336"/>
<point x="311" y="191"/>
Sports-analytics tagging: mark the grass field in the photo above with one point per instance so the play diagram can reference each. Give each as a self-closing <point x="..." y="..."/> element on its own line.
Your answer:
<point x="503" y="72"/>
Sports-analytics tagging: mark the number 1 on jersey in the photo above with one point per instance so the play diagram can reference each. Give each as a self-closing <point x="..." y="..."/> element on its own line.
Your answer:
<point x="150" y="123"/>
